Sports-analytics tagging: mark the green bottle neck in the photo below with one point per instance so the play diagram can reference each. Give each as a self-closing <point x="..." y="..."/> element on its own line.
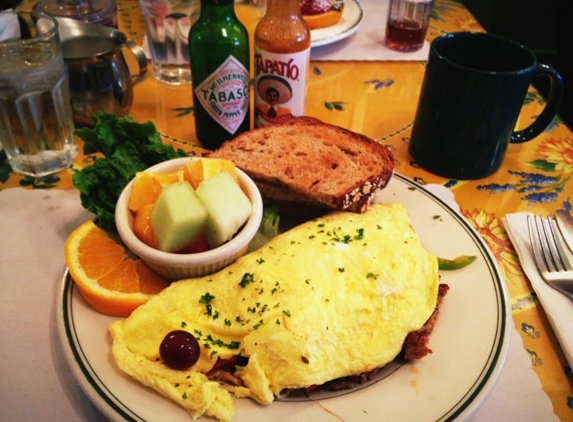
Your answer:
<point x="213" y="9"/>
<point x="217" y="2"/>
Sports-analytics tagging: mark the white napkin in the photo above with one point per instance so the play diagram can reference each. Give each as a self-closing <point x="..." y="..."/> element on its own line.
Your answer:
<point x="558" y="307"/>
<point x="368" y="42"/>
<point x="9" y="27"/>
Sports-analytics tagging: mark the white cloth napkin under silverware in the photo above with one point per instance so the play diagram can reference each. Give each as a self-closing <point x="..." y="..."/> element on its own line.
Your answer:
<point x="558" y="307"/>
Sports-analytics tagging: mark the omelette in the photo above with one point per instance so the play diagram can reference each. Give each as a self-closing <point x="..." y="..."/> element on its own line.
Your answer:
<point x="333" y="297"/>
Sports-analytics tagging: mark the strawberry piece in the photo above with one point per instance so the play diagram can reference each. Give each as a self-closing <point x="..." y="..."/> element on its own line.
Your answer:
<point x="200" y="245"/>
<point x="314" y="7"/>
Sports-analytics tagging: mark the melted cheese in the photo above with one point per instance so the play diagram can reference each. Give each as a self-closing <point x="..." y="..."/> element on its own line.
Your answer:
<point x="333" y="297"/>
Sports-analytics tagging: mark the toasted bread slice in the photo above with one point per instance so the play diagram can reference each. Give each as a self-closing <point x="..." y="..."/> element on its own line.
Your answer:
<point x="304" y="161"/>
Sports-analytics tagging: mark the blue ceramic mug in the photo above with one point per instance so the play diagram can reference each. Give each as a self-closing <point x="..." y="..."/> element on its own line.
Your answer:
<point x="473" y="90"/>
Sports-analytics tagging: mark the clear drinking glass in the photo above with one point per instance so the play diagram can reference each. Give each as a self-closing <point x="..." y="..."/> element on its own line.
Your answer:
<point x="167" y="24"/>
<point x="100" y="12"/>
<point x="36" y="123"/>
<point x="407" y="24"/>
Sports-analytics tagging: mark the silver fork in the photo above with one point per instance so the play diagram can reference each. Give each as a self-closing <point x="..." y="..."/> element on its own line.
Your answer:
<point x="549" y="254"/>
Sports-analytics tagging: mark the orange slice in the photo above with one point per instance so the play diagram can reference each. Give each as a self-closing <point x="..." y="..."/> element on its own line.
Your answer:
<point x="195" y="172"/>
<point x="323" y="20"/>
<point x="111" y="281"/>
<point x="147" y="186"/>
<point x="142" y="225"/>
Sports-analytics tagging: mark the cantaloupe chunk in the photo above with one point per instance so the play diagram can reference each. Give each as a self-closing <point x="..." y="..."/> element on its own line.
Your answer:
<point x="197" y="171"/>
<point x="142" y="225"/>
<point x="147" y="187"/>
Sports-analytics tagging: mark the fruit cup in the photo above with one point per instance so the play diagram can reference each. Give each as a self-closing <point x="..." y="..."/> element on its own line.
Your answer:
<point x="177" y="266"/>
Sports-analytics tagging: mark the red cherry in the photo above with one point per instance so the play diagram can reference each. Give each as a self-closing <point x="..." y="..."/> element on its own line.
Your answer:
<point x="179" y="350"/>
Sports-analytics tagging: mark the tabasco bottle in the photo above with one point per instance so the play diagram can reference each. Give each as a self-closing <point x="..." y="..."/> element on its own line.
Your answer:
<point x="219" y="60"/>
<point x="282" y="55"/>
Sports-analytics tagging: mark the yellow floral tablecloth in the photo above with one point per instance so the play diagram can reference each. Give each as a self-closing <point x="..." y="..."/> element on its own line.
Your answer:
<point x="379" y="99"/>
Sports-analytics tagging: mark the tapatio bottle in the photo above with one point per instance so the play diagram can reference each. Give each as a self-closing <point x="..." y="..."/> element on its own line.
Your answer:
<point x="282" y="55"/>
<point x="219" y="60"/>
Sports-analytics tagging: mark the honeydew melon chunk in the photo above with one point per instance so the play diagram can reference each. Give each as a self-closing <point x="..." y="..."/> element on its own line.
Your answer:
<point x="228" y="207"/>
<point x="178" y="217"/>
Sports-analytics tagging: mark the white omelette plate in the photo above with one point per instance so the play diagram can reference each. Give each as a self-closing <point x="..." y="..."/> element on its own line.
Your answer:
<point x="469" y="343"/>
<point x="352" y="16"/>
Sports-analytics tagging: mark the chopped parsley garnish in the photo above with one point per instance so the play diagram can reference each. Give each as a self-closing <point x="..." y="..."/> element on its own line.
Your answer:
<point x="206" y="300"/>
<point x="209" y="341"/>
<point x="276" y="288"/>
<point x="247" y="279"/>
<point x="343" y="238"/>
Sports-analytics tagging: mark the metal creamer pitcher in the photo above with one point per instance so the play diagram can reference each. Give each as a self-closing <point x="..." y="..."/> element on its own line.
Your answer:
<point x="98" y="74"/>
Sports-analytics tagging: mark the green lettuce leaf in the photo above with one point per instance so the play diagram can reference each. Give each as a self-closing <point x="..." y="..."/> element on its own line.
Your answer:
<point x="127" y="147"/>
<point x="268" y="229"/>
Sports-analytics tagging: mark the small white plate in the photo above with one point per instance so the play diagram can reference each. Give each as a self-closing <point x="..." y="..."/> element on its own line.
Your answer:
<point x="469" y="343"/>
<point x="352" y="16"/>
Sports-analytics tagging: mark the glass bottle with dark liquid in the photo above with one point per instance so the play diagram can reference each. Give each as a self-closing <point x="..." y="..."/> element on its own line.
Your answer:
<point x="219" y="60"/>
<point x="407" y="24"/>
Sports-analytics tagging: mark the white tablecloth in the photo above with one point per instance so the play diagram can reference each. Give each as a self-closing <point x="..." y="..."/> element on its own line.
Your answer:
<point x="36" y="383"/>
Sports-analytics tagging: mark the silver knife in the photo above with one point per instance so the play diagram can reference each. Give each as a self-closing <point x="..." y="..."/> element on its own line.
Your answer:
<point x="565" y="224"/>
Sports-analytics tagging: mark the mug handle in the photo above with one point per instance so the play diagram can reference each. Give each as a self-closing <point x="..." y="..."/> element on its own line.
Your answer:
<point x="551" y="107"/>
<point x="139" y="54"/>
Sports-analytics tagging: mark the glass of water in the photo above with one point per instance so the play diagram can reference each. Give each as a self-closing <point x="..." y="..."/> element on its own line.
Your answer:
<point x="36" y="123"/>
<point x="167" y="24"/>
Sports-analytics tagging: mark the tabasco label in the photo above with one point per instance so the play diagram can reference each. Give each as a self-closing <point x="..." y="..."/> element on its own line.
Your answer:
<point x="225" y="94"/>
<point x="280" y="85"/>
